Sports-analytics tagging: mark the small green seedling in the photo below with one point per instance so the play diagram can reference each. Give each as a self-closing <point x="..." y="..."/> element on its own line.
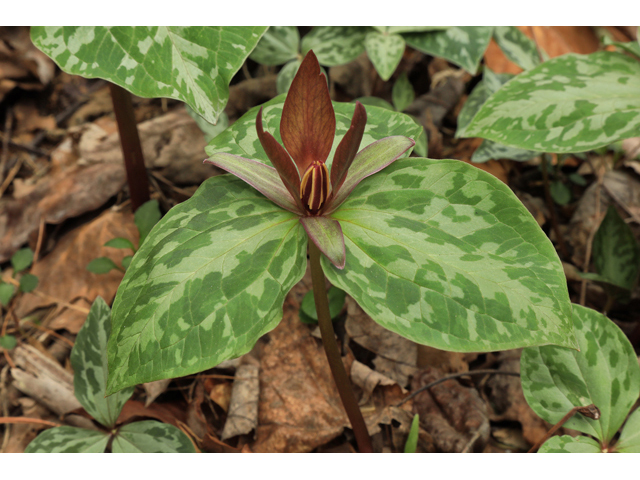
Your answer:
<point x="308" y="312"/>
<point x="20" y="261"/>
<point x="412" y="439"/>
<point x="604" y="373"/>
<point x="145" y="218"/>
<point x="89" y="362"/>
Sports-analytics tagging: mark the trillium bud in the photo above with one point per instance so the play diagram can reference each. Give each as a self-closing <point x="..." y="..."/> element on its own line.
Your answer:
<point x="314" y="187"/>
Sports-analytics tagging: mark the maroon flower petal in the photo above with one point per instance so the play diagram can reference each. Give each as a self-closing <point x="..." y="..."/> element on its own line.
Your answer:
<point x="348" y="147"/>
<point x="280" y="160"/>
<point x="308" y="122"/>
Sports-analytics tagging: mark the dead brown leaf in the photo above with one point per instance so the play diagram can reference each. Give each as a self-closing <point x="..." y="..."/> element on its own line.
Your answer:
<point x="299" y="406"/>
<point x="243" y="407"/>
<point x="63" y="274"/>
<point x="455" y="416"/>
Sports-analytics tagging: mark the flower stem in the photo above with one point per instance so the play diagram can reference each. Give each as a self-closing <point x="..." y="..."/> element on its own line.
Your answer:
<point x="333" y="353"/>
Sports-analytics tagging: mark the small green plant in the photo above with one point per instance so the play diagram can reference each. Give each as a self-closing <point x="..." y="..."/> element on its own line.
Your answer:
<point x="20" y="261"/>
<point x="604" y="373"/>
<point x="145" y="218"/>
<point x="412" y="440"/>
<point x="308" y="312"/>
<point x="89" y="362"/>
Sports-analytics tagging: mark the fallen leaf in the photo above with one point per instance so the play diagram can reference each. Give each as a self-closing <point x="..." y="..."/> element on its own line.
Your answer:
<point x="63" y="275"/>
<point x="155" y="389"/>
<point x="243" y="407"/>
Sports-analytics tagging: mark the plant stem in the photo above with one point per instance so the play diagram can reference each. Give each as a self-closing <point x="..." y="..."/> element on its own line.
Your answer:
<point x="333" y="353"/>
<point x="131" y="147"/>
<point x="590" y="411"/>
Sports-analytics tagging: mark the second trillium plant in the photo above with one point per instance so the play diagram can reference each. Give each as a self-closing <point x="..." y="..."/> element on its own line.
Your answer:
<point x="437" y="251"/>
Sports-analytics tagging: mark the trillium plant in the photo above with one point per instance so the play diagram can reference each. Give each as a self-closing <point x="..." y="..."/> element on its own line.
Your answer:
<point x="434" y="250"/>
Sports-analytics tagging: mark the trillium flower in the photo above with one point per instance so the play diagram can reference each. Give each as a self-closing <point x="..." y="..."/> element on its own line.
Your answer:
<point x="301" y="182"/>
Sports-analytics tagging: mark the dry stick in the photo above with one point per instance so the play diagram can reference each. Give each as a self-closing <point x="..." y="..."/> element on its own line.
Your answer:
<point x="131" y="147"/>
<point x="8" y="125"/>
<point x="456" y="375"/>
<point x="28" y="420"/>
<point x="590" y="411"/>
<point x="333" y="353"/>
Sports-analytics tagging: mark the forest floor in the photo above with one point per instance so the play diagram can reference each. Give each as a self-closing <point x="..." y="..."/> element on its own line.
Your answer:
<point x="64" y="195"/>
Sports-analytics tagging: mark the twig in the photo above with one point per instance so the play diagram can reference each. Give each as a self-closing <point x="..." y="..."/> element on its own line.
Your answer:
<point x="21" y="146"/>
<point x="590" y="411"/>
<point x="5" y="409"/>
<point x="28" y="420"/>
<point x="36" y="254"/>
<point x="50" y="332"/>
<point x="8" y="125"/>
<point x="455" y="375"/>
<point x="55" y="300"/>
<point x="9" y="359"/>
<point x="10" y="176"/>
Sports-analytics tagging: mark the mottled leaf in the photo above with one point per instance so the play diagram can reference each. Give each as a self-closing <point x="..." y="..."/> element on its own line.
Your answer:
<point x="376" y="102"/>
<point x="402" y="93"/>
<point x="327" y="235"/>
<point x="464" y="46"/>
<point x="571" y="103"/>
<point x="277" y="46"/>
<point x="604" y="372"/>
<point x="406" y="29"/>
<point x="629" y="47"/>
<point x="28" y="283"/>
<point x="89" y="362"/>
<point x="22" y="259"/>
<point x="445" y="255"/>
<point x="147" y="215"/>
<point x="151" y="437"/>
<point x="209" y="130"/>
<point x="489" y="150"/>
<point x="629" y="441"/>
<point x="335" y="45"/>
<point x="285" y="76"/>
<point x="568" y="444"/>
<point x="206" y="284"/>
<point x="69" y="440"/>
<point x="385" y="52"/>
<point x="191" y="64"/>
<point x="616" y="253"/>
<point x="517" y="47"/>
<point x="241" y="138"/>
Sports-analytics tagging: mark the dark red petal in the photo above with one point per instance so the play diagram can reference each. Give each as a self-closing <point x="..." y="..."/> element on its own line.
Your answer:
<point x="348" y="147"/>
<point x="308" y="122"/>
<point x="280" y="160"/>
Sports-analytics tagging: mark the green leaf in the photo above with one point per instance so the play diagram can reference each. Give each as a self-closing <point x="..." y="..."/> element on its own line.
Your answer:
<point x="28" y="283"/>
<point x="241" y="138"/>
<point x="69" y="440"/>
<point x="421" y="147"/>
<point x="568" y="444"/>
<point x="571" y="103"/>
<point x="101" y="265"/>
<point x="464" y="46"/>
<point x="286" y="75"/>
<point x="560" y="192"/>
<point x="445" y="255"/>
<point x="412" y="439"/>
<point x="209" y="130"/>
<point x="402" y="93"/>
<point x="616" y="253"/>
<point x="277" y="46"/>
<point x="604" y="372"/>
<point x="629" y="441"/>
<point x="120" y="242"/>
<point x="22" y="259"/>
<point x="207" y="283"/>
<point x="150" y="436"/>
<point x="191" y="64"/>
<point x="336" y="302"/>
<point x="89" y="362"/>
<point x="126" y="261"/>
<point x="629" y="47"/>
<point x="335" y="45"/>
<point x="376" y="102"/>
<point x="6" y="293"/>
<point x="517" y="47"/>
<point x="145" y="218"/>
<point x="385" y="52"/>
<point x="578" y="179"/>
<point x="488" y="150"/>
<point x="406" y="29"/>
<point x="8" y="342"/>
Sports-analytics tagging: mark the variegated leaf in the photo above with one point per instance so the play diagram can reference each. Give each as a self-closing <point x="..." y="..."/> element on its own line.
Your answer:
<point x="277" y="46"/>
<point x="407" y="29"/>
<point x="604" y="372"/>
<point x="629" y="441"/>
<point x="568" y="444"/>
<point x="517" y="47"/>
<point x="192" y="64"/>
<point x="402" y="93"/>
<point x="285" y="76"/>
<point x="488" y="150"/>
<point x="335" y="45"/>
<point x="207" y="283"/>
<point x="444" y="254"/>
<point x="385" y="52"/>
<point x="241" y="137"/>
<point x="69" y="440"/>
<point x="151" y="437"/>
<point x="89" y="362"/>
<point x="571" y="103"/>
<point x="464" y="46"/>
